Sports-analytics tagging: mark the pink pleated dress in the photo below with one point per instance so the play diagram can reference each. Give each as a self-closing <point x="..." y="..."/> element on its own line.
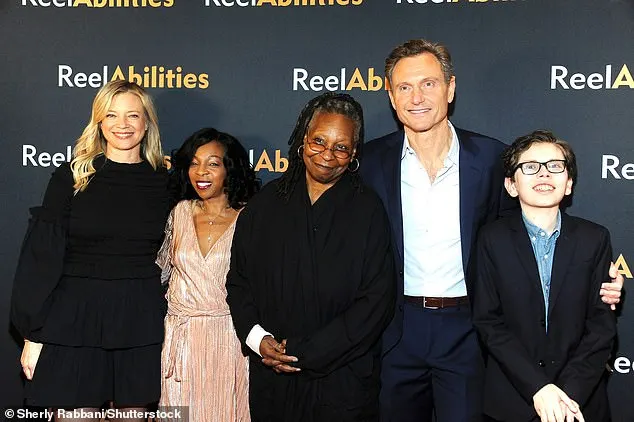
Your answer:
<point x="202" y="364"/>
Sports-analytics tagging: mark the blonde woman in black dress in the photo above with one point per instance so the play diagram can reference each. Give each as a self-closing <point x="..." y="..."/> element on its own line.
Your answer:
<point x="87" y="296"/>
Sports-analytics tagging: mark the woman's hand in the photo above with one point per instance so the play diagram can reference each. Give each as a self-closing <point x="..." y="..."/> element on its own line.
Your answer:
<point x="274" y="355"/>
<point x="30" y="355"/>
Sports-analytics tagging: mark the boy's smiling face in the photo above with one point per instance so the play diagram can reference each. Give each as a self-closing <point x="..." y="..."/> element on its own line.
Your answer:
<point x="543" y="189"/>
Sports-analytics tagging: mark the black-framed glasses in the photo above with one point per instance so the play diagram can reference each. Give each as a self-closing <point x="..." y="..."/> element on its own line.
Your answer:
<point x="533" y="167"/>
<point x="340" y="151"/>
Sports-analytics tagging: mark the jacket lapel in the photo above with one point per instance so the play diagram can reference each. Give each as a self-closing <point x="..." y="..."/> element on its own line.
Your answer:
<point x="526" y="256"/>
<point x="392" y="177"/>
<point x="470" y="176"/>
<point x="564" y="251"/>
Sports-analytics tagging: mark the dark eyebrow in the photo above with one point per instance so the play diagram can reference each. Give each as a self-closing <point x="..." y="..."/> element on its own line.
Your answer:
<point x="207" y="157"/>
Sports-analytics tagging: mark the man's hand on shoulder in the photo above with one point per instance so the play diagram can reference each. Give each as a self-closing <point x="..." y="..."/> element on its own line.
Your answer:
<point x="611" y="291"/>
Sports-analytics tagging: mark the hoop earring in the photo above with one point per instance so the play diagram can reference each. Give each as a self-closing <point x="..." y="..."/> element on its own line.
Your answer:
<point x="299" y="153"/>
<point x="356" y="168"/>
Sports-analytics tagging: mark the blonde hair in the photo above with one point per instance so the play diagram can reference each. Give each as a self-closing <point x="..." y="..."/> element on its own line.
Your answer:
<point x="92" y="143"/>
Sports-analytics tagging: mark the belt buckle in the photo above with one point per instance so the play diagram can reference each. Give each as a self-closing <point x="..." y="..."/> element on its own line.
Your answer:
<point x="425" y="304"/>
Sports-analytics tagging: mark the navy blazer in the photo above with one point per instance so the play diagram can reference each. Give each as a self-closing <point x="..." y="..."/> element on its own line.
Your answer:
<point x="509" y="314"/>
<point x="482" y="198"/>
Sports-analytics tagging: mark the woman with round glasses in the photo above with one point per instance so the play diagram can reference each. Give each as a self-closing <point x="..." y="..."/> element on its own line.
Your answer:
<point x="311" y="283"/>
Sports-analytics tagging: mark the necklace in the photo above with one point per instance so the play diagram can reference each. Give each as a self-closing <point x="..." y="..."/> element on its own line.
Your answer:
<point x="211" y="221"/>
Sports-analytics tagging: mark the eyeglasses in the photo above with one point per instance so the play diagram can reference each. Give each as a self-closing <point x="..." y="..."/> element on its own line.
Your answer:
<point x="533" y="167"/>
<point x="318" y="146"/>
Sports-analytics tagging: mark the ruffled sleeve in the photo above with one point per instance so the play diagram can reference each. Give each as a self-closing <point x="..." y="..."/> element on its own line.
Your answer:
<point x="164" y="257"/>
<point x="41" y="258"/>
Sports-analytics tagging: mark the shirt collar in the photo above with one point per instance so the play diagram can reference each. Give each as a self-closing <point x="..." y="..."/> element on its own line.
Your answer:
<point x="454" y="149"/>
<point x="533" y="230"/>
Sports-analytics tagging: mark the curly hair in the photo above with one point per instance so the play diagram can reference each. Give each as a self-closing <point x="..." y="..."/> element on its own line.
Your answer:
<point x="329" y="102"/>
<point x="240" y="183"/>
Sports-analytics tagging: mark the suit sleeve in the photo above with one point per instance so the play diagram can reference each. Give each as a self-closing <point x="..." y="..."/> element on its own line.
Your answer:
<point x="240" y="293"/>
<point x="355" y="331"/>
<point x="506" y="204"/>
<point x="41" y="259"/>
<point x="586" y="366"/>
<point x="488" y="318"/>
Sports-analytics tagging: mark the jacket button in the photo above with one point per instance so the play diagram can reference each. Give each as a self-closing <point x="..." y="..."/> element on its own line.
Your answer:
<point x="541" y="363"/>
<point x="400" y="273"/>
<point x="542" y="322"/>
<point x="400" y="308"/>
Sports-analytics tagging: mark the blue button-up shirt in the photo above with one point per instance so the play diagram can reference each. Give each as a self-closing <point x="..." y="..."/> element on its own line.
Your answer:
<point x="544" y="250"/>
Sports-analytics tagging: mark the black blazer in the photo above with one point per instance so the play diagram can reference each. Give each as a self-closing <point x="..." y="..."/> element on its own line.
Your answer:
<point x="482" y="197"/>
<point x="509" y="314"/>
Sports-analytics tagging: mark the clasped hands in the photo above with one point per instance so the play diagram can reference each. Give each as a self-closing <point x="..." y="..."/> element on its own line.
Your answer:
<point x="553" y="405"/>
<point x="274" y="355"/>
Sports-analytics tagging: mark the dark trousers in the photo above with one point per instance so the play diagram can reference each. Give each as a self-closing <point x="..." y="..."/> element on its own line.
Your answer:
<point x="436" y="368"/>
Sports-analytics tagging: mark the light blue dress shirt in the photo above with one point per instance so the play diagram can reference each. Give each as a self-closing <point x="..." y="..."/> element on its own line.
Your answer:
<point x="544" y="250"/>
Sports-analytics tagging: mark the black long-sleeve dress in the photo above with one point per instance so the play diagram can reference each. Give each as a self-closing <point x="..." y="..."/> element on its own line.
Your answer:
<point x="323" y="277"/>
<point x="88" y="288"/>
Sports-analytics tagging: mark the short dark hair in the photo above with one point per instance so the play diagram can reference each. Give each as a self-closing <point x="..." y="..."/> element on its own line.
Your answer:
<point x="329" y="102"/>
<point x="414" y="48"/>
<point x="511" y="156"/>
<point x="240" y="183"/>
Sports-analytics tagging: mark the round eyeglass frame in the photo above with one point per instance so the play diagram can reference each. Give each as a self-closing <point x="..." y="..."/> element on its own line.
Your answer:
<point x="318" y="149"/>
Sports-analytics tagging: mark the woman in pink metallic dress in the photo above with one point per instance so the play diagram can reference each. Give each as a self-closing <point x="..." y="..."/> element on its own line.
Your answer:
<point x="203" y="367"/>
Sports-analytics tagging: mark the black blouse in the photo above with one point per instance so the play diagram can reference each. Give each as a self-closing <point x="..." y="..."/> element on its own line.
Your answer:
<point x="321" y="276"/>
<point x="110" y="231"/>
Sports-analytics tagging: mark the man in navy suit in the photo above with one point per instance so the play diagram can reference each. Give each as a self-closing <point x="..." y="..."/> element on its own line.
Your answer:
<point x="439" y="184"/>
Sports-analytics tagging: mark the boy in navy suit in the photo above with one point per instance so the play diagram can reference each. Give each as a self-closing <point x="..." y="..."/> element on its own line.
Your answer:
<point x="536" y="301"/>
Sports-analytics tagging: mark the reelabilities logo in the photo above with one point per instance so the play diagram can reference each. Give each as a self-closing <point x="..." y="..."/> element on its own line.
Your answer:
<point x="146" y="76"/>
<point x="264" y="162"/>
<point x="362" y="80"/>
<point x="32" y="157"/>
<point x="281" y="3"/>
<point x="611" y="168"/>
<point x="98" y="4"/>
<point x="560" y="79"/>
<point x="623" y="365"/>
<point x="622" y="267"/>
<point x="261" y="160"/>
<point x="454" y="1"/>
